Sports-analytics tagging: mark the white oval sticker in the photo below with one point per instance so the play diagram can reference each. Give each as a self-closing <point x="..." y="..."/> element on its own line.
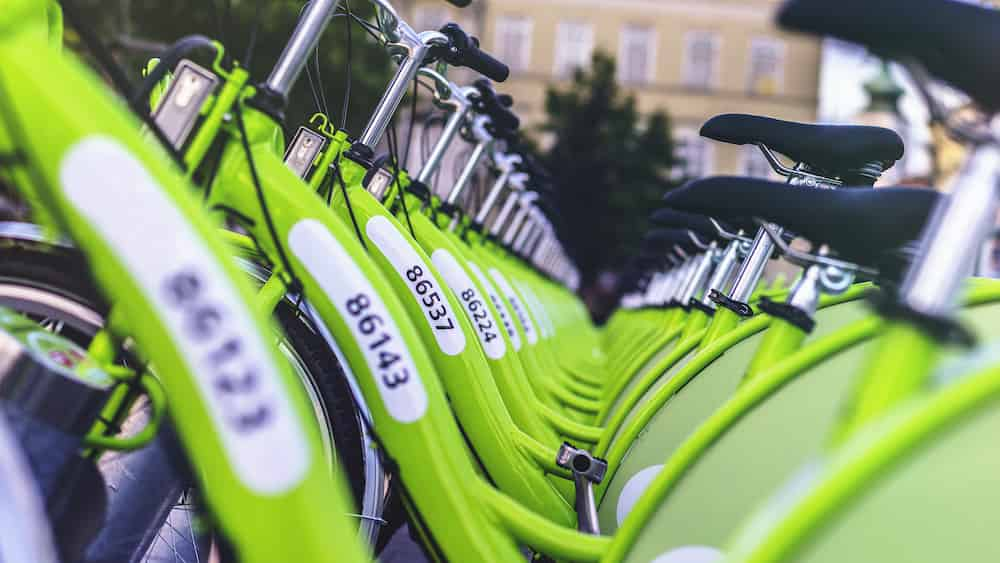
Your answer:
<point x="207" y="318"/>
<point x="476" y="309"/>
<point x="690" y="554"/>
<point x="633" y="490"/>
<point x="545" y="324"/>
<point x="520" y="312"/>
<point x="421" y="282"/>
<point x="498" y="304"/>
<point x="373" y="327"/>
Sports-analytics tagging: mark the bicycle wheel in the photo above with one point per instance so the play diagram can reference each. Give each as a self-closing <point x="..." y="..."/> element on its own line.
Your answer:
<point x="150" y="517"/>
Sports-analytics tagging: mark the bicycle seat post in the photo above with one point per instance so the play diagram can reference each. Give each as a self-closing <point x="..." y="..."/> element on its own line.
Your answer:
<point x="723" y="270"/>
<point x="701" y="271"/>
<point x="953" y="235"/>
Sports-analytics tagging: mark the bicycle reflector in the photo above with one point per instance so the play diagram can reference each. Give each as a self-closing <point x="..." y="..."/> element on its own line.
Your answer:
<point x="178" y="110"/>
<point x="302" y="152"/>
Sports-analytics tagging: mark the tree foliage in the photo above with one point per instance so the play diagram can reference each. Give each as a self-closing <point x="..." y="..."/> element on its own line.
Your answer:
<point x="124" y="24"/>
<point x="610" y="166"/>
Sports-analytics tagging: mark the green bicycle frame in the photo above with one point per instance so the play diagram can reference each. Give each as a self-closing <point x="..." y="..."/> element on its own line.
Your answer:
<point x="238" y="409"/>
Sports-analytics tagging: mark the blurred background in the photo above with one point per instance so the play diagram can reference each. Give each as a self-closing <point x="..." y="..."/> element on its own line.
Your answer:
<point x="611" y="94"/>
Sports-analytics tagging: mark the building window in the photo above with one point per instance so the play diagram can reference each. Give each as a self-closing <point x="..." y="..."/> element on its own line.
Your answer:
<point x="637" y="54"/>
<point x="574" y="46"/>
<point x="513" y="42"/>
<point x="427" y="18"/>
<point x="696" y="154"/>
<point x="766" y="71"/>
<point x="701" y="59"/>
<point x="754" y="163"/>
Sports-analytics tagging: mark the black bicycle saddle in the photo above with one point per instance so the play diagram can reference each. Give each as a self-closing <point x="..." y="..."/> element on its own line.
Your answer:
<point x="955" y="41"/>
<point x="860" y="224"/>
<point x="840" y="149"/>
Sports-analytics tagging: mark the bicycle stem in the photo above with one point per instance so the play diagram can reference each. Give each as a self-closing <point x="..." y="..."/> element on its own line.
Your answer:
<point x="413" y="48"/>
<point x="523" y="203"/>
<point x="460" y="110"/>
<point x="293" y="57"/>
<point x="506" y="165"/>
<point x="508" y="207"/>
<point x="483" y="143"/>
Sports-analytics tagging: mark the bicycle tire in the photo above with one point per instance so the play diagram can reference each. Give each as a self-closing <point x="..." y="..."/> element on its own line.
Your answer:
<point x="60" y="271"/>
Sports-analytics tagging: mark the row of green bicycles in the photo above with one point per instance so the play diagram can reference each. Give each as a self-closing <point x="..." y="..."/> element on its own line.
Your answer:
<point x="222" y="342"/>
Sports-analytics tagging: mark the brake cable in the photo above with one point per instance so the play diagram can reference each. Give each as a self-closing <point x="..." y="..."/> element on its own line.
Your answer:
<point x="118" y="77"/>
<point x="345" y="104"/>
<point x="394" y="160"/>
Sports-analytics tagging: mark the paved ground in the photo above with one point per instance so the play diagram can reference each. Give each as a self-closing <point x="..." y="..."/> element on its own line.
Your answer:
<point x="402" y="549"/>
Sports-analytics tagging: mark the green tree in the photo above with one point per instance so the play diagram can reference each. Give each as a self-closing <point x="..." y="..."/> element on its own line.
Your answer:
<point x="133" y="28"/>
<point x="610" y="166"/>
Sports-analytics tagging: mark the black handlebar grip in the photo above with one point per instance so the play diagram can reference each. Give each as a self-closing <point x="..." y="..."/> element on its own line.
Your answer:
<point x="484" y="63"/>
<point x="464" y="51"/>
<point x="459" y="3"/>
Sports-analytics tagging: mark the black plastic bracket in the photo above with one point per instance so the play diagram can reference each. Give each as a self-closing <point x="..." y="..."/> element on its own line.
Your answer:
<point x="419" y="189"/>
<point x="943" y="329"/>
<point x="740" y="308"/>
<point x="695" y="304"/>
<point x="787" y="312"/>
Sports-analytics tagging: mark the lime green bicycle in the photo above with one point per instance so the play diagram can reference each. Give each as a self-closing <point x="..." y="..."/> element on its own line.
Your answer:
<point x="240" y="413"/>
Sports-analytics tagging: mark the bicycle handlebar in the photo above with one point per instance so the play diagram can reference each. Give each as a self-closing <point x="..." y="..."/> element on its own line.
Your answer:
<point x="488" y="103"/>
<point x="464" y="51"/>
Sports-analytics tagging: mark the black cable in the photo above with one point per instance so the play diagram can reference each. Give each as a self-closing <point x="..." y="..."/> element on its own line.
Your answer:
<point x="345" y="105"/>
<point x="319" y="81"/>
<point x="394" y="160"/>
<point x="347" y="202"/>
<point x="252" y="40"/>
<point x="118" y="78"/>
<point x="268" y="220"/>
<point x="373" y="31"/>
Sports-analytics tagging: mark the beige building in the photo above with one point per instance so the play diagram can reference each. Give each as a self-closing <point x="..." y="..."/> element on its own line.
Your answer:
<point x="693" y="58"/>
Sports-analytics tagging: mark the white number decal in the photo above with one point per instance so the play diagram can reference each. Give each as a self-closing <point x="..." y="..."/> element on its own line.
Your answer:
<point x="515" y="303"/>
<point x="421" y="282"/>
<point x="535" y="304"/>
<point x="207" y="318"/>
<point x="499" y="305"/>
<point x="478" y="312"/>
<point x="374" y="330"/>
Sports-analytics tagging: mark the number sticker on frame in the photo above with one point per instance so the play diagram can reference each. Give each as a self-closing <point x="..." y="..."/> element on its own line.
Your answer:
<point x="499" y="305"/>
<point x="203" y="313"/>
<point x="477" y="311"/>
<point x="373" y="328"/>
<point x="421" y="282"/>
<point x="515" y="303"/>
